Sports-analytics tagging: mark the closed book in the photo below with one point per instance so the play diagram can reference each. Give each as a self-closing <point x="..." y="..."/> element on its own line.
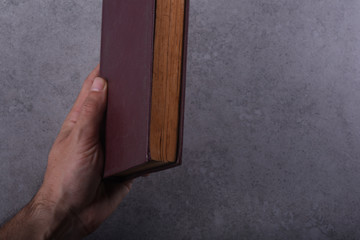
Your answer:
<point x="143" y="58"/>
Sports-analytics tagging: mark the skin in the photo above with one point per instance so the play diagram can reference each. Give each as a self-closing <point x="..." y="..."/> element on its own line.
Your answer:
<point x="74" y="199"/>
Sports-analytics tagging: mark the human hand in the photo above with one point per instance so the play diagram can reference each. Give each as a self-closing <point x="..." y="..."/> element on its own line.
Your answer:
<point x="74" y="199"/>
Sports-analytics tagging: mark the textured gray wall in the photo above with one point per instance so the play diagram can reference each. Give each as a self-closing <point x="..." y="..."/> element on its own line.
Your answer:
<point x="272" y="127"/>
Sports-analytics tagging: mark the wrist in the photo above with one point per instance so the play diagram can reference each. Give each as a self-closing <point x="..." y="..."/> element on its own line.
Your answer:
<point x="52" y="220"/>
<point x="43" y="219"/>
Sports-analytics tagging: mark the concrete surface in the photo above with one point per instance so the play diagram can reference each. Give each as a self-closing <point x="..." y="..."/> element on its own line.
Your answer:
<point x="272" y="128"/>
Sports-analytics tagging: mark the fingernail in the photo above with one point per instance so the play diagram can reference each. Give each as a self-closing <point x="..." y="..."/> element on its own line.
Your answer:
<point x="98" y="84"/>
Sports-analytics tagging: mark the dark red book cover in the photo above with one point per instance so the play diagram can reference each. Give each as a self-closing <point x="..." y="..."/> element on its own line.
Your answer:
<point x="126" y="61"/>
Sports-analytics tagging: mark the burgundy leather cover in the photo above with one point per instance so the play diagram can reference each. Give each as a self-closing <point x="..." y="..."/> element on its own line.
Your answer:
<point x="126" y="60"/>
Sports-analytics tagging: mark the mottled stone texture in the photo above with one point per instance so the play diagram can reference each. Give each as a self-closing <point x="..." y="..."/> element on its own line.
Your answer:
<point x="272" y="126"/>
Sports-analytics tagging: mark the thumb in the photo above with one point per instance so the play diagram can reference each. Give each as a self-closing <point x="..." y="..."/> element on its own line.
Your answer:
<point x="93" y="109"/>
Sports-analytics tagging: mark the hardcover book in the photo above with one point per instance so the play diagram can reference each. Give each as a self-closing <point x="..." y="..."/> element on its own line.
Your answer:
<point x="143" y="58"/>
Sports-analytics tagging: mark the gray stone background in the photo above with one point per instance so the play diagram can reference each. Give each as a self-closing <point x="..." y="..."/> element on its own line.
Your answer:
<point x="272" y="126"/>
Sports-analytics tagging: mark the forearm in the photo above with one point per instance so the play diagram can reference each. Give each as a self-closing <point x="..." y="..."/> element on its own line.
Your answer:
<point x="40" y="219"/>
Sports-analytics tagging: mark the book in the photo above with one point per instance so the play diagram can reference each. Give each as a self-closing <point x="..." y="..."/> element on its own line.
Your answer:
<point x="143" y="58"/>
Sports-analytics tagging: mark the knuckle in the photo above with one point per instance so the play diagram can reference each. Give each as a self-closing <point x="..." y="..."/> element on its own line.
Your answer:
<point x="90" y="106"/>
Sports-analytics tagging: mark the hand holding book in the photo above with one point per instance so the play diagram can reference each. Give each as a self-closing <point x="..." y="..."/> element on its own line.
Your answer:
<point x="145" y="67"/>
<point x="73" y="199"/>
